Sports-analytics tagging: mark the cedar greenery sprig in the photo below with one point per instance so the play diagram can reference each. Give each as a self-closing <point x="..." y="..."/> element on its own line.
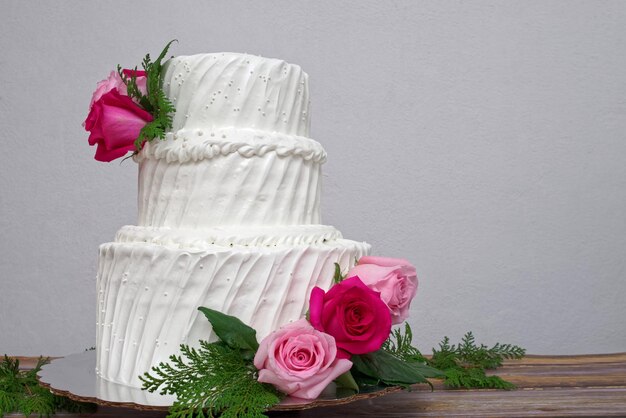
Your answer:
<point x="464" y="365"/>
<point x="401" y="345"/>
<point x="218" y="378"/>
<point x="212" y="380"/>
<point x="155" y="101"/>
<point x="20" y="392"/>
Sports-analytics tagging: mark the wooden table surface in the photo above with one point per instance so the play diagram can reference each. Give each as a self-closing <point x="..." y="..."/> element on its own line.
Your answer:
<point x="590" y="385"/>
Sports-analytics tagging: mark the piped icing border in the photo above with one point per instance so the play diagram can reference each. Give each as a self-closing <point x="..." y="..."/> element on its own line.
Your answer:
<point x="291" y="235"/>
<point x="199" y="144"/>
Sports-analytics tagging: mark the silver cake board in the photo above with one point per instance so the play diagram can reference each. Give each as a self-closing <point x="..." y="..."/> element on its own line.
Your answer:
<point x="74" y="377"/>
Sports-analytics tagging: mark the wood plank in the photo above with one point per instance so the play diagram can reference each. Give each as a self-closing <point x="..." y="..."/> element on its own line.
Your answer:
<point x="589" y="385"/>
<point x="533" y="359"/>
<point x="561" y="375"/>
<point x="548" y="402"/>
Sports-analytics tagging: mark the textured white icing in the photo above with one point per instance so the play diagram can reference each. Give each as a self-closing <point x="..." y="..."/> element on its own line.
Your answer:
<point x="148" y="295"/>
<point x="198" y="144"/>
<point x="229" y="236"/>
<point x="229" y="216"/>
<point x="229" y="190"/>
<point x="211" y="91"/>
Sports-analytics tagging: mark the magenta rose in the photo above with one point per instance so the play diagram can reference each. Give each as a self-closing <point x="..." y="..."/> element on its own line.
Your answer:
<point x="394" y="278"/>
<point x="352" y="313"/>
<point x="299" y="360"/>
<point x="114" y="123"/>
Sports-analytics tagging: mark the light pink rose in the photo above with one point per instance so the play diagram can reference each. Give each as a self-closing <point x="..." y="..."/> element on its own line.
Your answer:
<point x="299" y="360"/>
<point x="114" y="81"/>
<point x="352" y="313"/>
<point x="394" y="278"/>
<point x="140" y="79"/>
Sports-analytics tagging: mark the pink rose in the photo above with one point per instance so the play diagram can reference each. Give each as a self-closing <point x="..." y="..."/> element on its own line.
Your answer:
<point x="299" y="361"/>
<point x="140" y="79"/>
<point x="114" y="81"/>
<point x="394" y="278"/>
<point x="352" y="313"/>
<point x="114" y="122"/>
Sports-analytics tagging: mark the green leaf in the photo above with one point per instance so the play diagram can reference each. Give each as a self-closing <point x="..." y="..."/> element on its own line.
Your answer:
<point x="346" y="380"/>
<point x="232" y="331"/>
<point x="338" y="278"/>
<point x="391" y="370"/>
<point x="365" y="381"/>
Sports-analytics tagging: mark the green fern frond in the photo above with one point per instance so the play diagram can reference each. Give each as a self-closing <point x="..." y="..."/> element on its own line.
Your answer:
<point x="154" y="101"/>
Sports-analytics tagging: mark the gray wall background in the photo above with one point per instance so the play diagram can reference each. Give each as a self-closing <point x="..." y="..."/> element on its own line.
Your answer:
<point x="482" y="140"/>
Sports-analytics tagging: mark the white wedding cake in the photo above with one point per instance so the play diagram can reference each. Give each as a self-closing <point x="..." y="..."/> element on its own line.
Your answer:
<point x="229" y="216"/>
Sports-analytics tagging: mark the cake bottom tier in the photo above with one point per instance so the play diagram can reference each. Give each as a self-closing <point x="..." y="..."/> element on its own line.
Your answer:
<point x="148" y="295"/>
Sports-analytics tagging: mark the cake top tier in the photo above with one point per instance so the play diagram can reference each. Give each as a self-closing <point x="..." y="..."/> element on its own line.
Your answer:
<point x="212" y="91"/>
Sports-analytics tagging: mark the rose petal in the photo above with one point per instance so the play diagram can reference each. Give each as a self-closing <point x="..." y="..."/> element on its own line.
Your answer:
<point x="114" y="81"/>
<point x="317" y="385"/>
<point x="383" y="261"/>
<point x="120" y="126"/>
<point x="105" y="155"/>
<point x="316" y="302"/>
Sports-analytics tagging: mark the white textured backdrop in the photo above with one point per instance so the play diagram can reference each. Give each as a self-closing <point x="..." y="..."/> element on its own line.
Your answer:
<point x="484" y="141"/>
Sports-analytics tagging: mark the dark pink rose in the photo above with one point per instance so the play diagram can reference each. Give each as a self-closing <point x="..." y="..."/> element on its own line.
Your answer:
<point x="394" y="278"/>
<point x="299" y="360"/>
<point x="114" y="122"/>
<point x="352" y="313"/>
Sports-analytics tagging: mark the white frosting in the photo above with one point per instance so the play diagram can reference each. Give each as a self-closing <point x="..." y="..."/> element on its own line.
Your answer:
<point x="265" y="188"/>
<point x="148" y="295"/>
<point x="229" y="216"/>
<point x="200" y="239"/>
<point x="212" y="91"/>
<point x="195" y="145"/>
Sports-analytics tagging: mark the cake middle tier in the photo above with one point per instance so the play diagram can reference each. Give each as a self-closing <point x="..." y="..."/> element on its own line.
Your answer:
<point x="229" y="176"/>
